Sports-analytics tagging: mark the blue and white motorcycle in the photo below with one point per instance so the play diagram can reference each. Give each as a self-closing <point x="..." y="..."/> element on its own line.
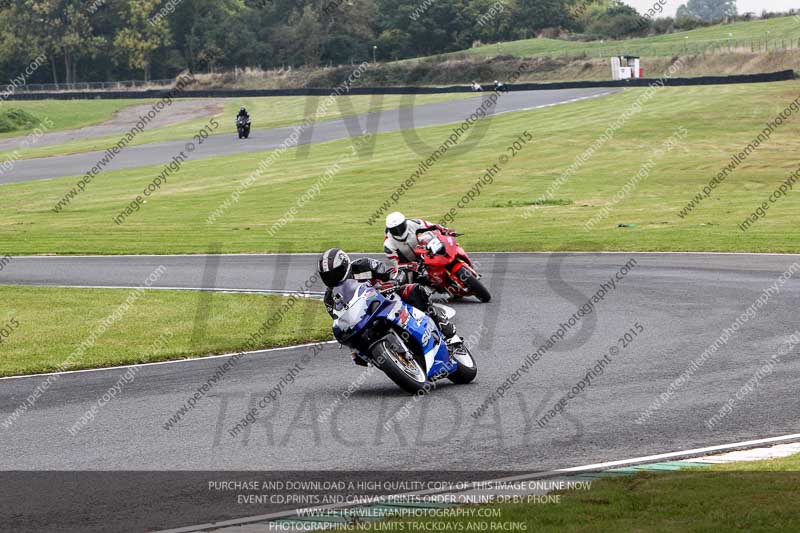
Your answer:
<point x="400" y="340"/>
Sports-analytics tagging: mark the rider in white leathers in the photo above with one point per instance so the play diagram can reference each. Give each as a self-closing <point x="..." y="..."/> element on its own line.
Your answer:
<point x="401" y="237"/>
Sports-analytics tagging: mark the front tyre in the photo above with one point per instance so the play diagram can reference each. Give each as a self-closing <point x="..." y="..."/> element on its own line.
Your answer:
<point x="467" y="369"/>
<point x="474" y="285"/>
<point x="389" y="354"/>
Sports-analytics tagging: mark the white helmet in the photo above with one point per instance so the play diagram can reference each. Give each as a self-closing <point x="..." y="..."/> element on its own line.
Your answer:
<point x="396" y="225"/>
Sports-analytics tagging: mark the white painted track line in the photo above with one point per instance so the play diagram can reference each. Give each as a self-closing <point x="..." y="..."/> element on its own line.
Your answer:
<point x="684" y="453"/>
<point x="752" y="454"/>
<point x="174" y="361"/>
<point x="540" y="252"/>
<point x="306" y="294"/>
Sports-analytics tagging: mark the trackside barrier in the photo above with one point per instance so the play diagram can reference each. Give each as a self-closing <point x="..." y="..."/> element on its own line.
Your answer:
<point x="782" y="75"/>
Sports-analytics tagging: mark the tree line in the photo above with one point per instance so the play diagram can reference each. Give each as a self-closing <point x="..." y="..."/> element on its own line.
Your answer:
<point x="99" y="40"/>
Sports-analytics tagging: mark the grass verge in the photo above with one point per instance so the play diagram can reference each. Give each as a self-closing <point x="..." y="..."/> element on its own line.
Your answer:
<point x="757" y="496"/>
<point x="48" y="324"/>
<point x="719" y="121"/>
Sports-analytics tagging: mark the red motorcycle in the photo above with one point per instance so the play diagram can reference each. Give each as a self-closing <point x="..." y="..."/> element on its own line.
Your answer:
<point x="448" y="267"/>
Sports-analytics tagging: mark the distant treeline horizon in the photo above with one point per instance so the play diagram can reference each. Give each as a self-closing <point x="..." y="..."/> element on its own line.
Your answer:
<point x="105" y="40"/>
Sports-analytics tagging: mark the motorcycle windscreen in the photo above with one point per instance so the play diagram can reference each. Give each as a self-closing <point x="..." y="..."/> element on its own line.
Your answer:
<point x="435" y="246"/>
<point x="352" y="307"/>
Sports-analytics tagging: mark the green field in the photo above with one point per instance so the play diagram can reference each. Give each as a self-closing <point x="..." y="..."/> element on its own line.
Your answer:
<point x="66" y="114"/>
<point x="776" y="33"/>
<point x="753" y="496"/>
<point x="720" y="121"/>
<point x="60" y="319"/>
<point x="266" y="113"/>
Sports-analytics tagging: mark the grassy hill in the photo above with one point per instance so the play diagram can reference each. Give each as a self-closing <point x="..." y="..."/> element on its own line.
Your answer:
<point x="757" y="35"/>
<point x="726" y="49"/>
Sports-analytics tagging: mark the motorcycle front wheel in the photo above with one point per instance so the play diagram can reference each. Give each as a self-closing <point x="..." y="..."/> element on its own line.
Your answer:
<point x="390" y="357"/>
<point x="467" y="369"/>
<point x="474" y="285"/>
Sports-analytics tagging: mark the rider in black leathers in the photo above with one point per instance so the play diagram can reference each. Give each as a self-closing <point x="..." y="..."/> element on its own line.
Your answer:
<point x="335" y="266"/>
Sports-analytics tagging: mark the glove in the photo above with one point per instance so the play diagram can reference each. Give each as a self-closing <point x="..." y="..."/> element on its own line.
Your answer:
<point x="405" y="273"/>
<point x="388" y="286"/>
<point x="409" y="267"/>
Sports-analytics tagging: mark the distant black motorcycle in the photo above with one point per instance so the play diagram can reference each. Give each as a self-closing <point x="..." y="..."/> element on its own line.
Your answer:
<point x="243" y="126"/>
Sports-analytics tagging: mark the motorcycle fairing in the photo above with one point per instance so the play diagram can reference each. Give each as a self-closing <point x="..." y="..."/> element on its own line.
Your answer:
<point x="445" y="264"/>
<point x="356" y="305"/>
<point x="422" y="328"/>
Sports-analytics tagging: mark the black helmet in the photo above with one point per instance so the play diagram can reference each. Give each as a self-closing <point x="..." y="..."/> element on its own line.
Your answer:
<point x="334" y="267"/>
<point x="242" y="110"/>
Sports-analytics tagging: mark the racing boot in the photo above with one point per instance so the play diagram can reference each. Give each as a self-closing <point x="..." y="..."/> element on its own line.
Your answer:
<point x="419" y="297"/>
<point x="447" y="328"/>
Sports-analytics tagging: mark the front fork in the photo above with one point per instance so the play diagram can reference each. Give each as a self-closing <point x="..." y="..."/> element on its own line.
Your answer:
<point x="455" y="278"/>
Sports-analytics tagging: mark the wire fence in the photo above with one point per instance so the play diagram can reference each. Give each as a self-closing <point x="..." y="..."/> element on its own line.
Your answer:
<point x="94" y="86"/>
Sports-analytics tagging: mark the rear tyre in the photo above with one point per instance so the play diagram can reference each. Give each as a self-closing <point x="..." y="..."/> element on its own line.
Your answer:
<point x="467" y="369"/>
<point x="408" y="375"/>
<point x="474" y="285"/>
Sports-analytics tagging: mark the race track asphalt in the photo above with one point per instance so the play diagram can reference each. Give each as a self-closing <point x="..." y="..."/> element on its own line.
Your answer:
<point x="683" y="302"/>
<point x="406" y="118"/>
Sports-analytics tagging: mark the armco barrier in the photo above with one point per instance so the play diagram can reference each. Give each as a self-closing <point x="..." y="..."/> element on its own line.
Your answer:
<point x="782" y="75"/>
